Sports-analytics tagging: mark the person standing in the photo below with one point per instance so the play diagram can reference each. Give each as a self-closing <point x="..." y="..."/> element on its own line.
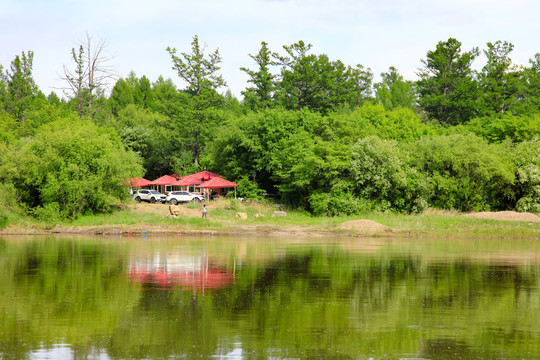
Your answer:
<point x="204" y="211"/>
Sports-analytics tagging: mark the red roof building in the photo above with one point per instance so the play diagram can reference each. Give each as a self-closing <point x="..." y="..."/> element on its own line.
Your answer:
<point x="202" y="180"/>
<point x="165" y="180"/>
<point x="218" y="182"/>
<point x="139" y="182"/>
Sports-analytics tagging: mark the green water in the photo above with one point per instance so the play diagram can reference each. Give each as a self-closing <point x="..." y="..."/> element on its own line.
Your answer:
<point x="268" y="298"/>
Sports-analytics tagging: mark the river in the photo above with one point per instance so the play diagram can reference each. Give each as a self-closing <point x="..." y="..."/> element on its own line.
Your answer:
<point x="178" y="297"/>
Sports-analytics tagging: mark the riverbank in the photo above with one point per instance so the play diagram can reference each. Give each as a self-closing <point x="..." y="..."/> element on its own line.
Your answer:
<point x="258" y="219"/>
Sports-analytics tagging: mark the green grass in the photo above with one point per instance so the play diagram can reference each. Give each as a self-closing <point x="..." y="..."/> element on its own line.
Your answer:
<point x="127" y="217"/>
<point x="222" y="215"/>
<point x="456" y="225"/>
<point x="432" y="223"/>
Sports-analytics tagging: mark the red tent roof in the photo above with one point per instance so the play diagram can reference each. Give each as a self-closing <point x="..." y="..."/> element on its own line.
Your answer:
<point x="164" y="180"/>
<point x="205" y="179"/>
<point x="195" y="179"/>
<point x="205" y="175"/>
<point x="139" y="182"/>
<point x="188" y="180"/>
<point x="218" y="182"/>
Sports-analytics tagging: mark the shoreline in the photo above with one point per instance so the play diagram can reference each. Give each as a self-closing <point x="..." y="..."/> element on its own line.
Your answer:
<point x="147" y="219"/>
<point x="123" y="230"/>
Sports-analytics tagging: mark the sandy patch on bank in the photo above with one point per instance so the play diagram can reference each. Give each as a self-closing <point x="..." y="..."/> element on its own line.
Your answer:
<point x="163" y="209"/>
<point x="364" y="226"/>
<point x="505" y="216"/>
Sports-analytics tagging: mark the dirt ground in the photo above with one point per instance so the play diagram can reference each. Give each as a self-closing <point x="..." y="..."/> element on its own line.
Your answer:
<point x="361" y="227"/>
<point x="505" y="216"/>
<point x="366" y="227"/>
<point x="163" y="210"/>
<point x="357" y="227"/>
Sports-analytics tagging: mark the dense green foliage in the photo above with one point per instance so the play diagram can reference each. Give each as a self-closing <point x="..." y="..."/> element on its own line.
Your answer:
<point x="70" y="167"/>
<point x="314" y="132"/>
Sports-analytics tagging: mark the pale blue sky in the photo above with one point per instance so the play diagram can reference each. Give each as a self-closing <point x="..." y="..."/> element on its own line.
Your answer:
<point x="375" y="34"/>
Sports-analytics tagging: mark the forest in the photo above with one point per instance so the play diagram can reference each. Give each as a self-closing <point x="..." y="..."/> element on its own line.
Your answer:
<point x="315" y="133"/>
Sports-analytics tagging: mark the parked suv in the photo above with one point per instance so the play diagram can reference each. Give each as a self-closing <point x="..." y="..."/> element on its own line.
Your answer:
<point x="149" y="195"/>
<point x="181" y="197"/>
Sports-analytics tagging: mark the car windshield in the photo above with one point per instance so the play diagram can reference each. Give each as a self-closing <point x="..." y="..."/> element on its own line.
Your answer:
<point x="154" y="192"/>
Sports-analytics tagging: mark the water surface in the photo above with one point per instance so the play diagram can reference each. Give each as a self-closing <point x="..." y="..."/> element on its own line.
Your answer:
<point x="268" y="298"/>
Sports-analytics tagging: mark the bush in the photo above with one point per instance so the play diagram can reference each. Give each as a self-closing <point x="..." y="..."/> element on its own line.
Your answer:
<point x="506" y="127"/>
<point x="247" y="190"/>
<point x="49" y="213"/>
<point x="466" y="172"/>
<point x="335" y="204"/>
<point x="74" y="167"/>
<point x="526" y="159"/>
<point x="10" y="207"/>
<point x="385" y="179"/>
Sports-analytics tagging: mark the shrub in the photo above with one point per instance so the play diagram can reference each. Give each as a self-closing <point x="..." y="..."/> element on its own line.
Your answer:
<point x="526" y="159"/>
<point x="385" y="179"/>
<point x="49" y="213"/>
<point x="335" y="204"/>
<point x="466" y="172"/>
<point x="10" y="207"/>
<point x="74" y="167"/>
<point x="506" y="127"/>
<point x="248" y="190"/>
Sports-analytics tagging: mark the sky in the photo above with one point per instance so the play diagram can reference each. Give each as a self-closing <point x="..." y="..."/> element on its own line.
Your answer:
<point x="374" y="34"/>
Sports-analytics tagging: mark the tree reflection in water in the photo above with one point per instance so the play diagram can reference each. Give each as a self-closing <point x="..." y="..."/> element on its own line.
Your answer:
<point x="246" y="298"/>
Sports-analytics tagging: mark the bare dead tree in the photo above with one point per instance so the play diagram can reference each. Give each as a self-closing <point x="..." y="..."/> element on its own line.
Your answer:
<point x="90" y="77"/>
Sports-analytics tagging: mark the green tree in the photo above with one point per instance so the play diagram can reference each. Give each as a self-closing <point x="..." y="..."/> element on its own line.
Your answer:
<point x="314" y="82"/>
<point x="202" y="76"/>
<point x="146" y="133"/>
<point x="131" y="90"/>
<point x="167" y="99"/>
<point x="361" y="85"/>
<point x="384" y="177"/>
<point x="301" y="73"/>
<point x="8" y="127"/>
<point x="72" y="167"/>
<point x="121" y="96"/>
<point x="526" y="159"/>
<point x="467" y="173"/>
<point x="393" y="91"/>
<point x="514" y="128"/>
<point x="447" y="90"/>
<point x="499" y="80"/>
<point x="18" y="89"/>
<point x="144" y="92"/>
<point x="260" y="95"/>
<point x="530" y="83"/>
<point x="398" y="124"/>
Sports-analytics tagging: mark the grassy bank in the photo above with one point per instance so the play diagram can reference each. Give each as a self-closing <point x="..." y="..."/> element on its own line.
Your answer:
<point x="131" y="217"/>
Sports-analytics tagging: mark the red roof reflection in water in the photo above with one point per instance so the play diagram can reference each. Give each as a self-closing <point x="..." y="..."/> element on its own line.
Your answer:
<point x="186" y="272"/>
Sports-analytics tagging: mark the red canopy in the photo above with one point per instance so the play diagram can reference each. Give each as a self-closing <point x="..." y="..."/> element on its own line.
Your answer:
<point x="164" y="180"/>
<point x="139" y="182"/>
<point x="195" y="179"/>
<point x="188" y="180"/>
<point x="205" y="175"/>
<point x="218" y="182"/>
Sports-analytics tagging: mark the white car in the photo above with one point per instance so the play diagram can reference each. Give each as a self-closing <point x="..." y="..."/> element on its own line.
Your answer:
<point x="149" y="195"/>
<point x="181" y="197"/>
